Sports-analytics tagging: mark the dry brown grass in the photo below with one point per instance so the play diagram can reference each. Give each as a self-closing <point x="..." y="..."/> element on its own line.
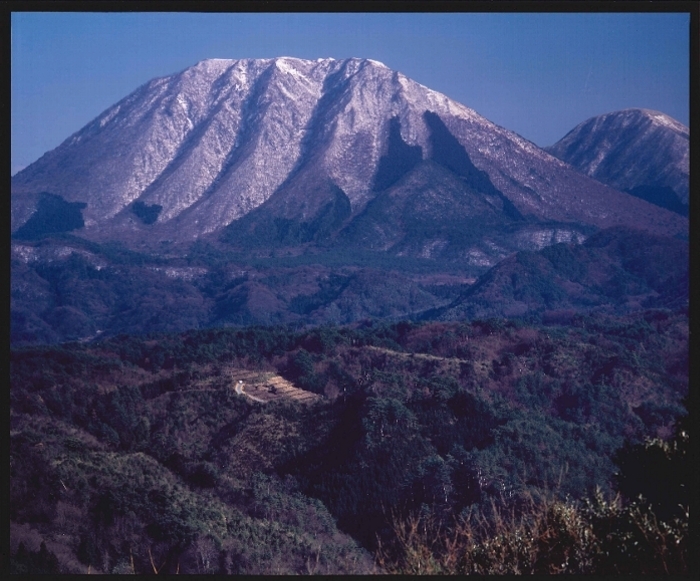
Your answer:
<point x="545" y="536"/>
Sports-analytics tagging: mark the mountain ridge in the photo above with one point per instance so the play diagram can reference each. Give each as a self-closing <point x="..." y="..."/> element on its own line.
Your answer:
<point x="615" y="270"/>
<point x="217" y="140"/>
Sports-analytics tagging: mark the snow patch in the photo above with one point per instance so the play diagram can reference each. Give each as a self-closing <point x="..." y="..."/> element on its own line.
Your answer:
<point x="214" y="65"/>
<point x="186" y="108"/>
<point x="593" y="165"/>
<point x="109" y="116"/>
<point x="377" y="63"/>
<point x="285" y="66"/>
<point x="666" y="121"/>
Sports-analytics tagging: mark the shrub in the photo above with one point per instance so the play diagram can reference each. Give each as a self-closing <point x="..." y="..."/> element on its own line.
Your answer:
<point x="543" y="536"/>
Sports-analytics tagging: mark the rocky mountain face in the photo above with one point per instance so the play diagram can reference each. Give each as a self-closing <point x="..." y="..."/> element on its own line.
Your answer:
<point x="643" y="152"/>
<point x="192" y="153"/>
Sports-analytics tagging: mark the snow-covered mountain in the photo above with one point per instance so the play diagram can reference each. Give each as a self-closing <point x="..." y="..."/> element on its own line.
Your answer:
<point x="639" y="151"/>
<point x="191" y="153"/>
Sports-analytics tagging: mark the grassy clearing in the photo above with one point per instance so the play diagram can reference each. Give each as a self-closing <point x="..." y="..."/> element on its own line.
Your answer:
<point x="269" y="387"/>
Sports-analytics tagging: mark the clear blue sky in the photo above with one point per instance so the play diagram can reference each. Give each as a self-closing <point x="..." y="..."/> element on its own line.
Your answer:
<point x="536" y="74"/>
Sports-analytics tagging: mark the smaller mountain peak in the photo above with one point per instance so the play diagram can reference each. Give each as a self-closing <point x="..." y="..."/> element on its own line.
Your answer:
<point x="640" y="151"/>
<point x="638" y="113"/>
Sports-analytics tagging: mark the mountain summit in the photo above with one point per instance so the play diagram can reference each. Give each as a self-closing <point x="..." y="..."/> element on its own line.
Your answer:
<point x="643" y="152"/>
<point x="192" y="153"/>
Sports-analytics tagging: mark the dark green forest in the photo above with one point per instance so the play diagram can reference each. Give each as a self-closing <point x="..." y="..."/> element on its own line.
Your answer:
<point x="493" y="446"/>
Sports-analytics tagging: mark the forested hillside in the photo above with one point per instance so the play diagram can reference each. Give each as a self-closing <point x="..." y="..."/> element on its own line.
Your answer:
<point x="142" y="454"/>
<point x="66" y="289"/>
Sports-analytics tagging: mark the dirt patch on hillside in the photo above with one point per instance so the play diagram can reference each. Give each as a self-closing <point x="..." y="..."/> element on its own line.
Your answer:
<point x="265" y="387"/>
